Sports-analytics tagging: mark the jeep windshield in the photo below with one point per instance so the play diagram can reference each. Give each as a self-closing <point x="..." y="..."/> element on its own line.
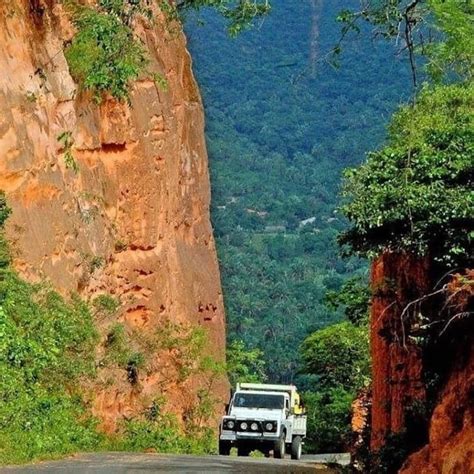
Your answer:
<point x="257" y="400"/>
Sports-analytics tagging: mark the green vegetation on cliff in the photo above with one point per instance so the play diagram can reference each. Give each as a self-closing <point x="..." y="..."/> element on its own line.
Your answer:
<point x="46" y="348"/>
<point x="415" y="197"/>
<point x="416" y="193"/>
<point x="50" y="356"/>
<point x="106" y="55"/>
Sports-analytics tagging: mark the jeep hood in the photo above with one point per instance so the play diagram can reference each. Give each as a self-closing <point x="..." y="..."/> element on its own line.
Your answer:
<point x="256" y="413"/>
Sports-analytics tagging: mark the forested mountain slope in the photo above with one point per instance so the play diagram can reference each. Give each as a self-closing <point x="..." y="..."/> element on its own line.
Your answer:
<point x="282" y="123"/>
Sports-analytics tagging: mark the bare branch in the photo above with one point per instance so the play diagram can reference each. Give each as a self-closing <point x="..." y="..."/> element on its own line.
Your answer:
<point x="419" y="300"/>
<point x="463" y="314"/>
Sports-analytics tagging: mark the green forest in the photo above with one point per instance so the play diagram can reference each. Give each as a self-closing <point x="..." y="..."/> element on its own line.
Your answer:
<point x="291" y="112"/>
<point x="283" y="121"/>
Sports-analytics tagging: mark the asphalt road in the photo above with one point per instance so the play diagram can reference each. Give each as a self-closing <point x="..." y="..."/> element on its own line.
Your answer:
<point x="125" y="463"/>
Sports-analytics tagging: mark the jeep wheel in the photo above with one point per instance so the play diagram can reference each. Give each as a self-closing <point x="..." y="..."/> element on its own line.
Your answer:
<point x="224" y="448"/>
<point x="296" y="447"/>
<point x="243" y="451"/>
<point x="279" y="448"/>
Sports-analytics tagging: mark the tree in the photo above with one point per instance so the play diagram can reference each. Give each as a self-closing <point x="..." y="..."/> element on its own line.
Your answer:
<point x="440" y="30"/>
<point x="416" y="193"/>
<point x="329" y="425"/>
<point x="354" y="297"/>
<point x="244" y="365"/>
<point x="239" y="14"/>
<point x="338" y="356"/>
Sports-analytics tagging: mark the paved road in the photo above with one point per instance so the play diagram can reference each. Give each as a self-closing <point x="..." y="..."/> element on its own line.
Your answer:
<point x="125" y="463"/>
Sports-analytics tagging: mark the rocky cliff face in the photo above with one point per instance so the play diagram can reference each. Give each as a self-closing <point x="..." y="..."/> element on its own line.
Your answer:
<point x="133" y="220"/>
<point x="397" y="367"/>
<point x="450" y="445"/>
<point x="423" y="374"/>
<point x="450" y="448"/>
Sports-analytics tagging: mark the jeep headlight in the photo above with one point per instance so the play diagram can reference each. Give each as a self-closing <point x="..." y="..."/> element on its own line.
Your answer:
<point x="254" y="426"/>
<point x="270" y="426"/>
<point x="228" y="424"/>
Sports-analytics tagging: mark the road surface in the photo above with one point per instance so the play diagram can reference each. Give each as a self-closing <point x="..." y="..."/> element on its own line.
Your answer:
<point x="135" y="463"/>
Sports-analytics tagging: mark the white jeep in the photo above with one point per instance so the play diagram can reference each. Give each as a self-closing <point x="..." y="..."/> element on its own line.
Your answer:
<point x="263" y="417"/>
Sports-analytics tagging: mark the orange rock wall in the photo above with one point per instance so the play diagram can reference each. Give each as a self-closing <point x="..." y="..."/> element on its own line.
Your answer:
<point x="133" y="222"/>
<point x="451" y="436"/>
<point x="399" y="367"/>
<point x="396" y="362"/>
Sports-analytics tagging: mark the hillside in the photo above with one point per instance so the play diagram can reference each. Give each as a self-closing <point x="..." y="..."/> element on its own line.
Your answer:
<point x="282" y="123"/>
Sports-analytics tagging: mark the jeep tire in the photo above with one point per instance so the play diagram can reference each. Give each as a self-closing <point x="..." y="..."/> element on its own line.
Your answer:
<point x="296" y="448"/>
<point x="243" y="450"/>
<point x="279" y="448"/>
<point x="224" y="447"/>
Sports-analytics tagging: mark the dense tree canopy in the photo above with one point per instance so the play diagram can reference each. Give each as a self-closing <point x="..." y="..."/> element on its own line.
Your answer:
<point x="282" y="124"/>
<point x="354" y="297"/>
<point x="238" y="14"/>
<point x="439" y="32"/>
<point x="417" y="192"/>
<point x="338" y="356"/>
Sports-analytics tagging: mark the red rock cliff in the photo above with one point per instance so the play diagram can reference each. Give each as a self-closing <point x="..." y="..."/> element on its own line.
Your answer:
<point x="450" y="445"/>
<point x="133" y="222"/>
<point x="450" y="449"/>
<point x="404" y="300"/>
<point x="397" y="365"/>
